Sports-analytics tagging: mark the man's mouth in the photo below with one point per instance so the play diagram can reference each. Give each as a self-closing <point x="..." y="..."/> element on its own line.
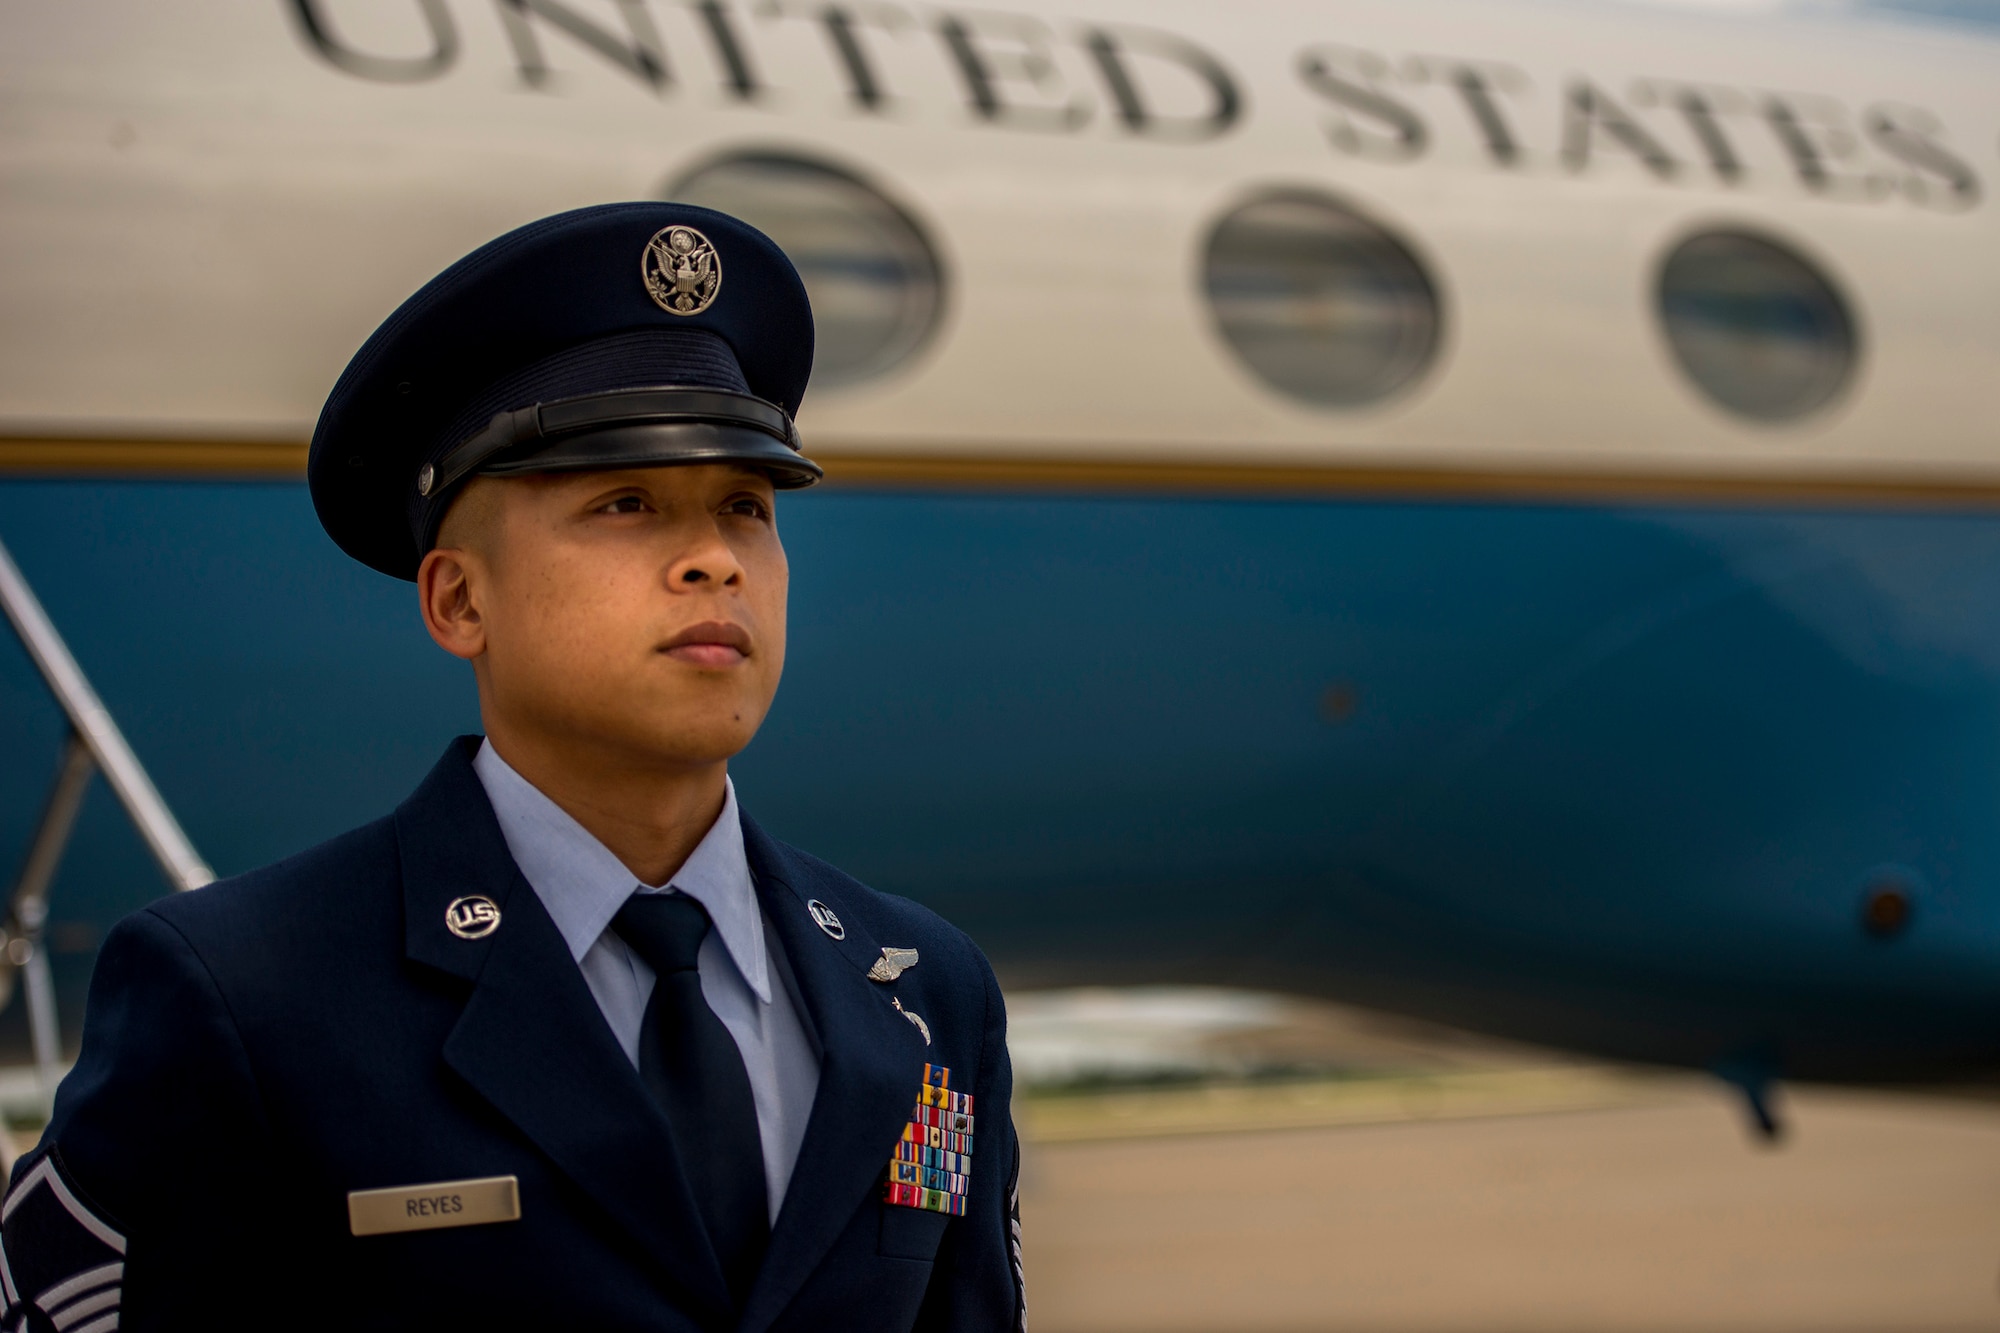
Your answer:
<point x="711" y="644"/>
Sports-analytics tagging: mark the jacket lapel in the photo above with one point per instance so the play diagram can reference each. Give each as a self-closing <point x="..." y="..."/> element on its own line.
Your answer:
<point x="531" y="1039"/>
<point x="871" y="1065"/>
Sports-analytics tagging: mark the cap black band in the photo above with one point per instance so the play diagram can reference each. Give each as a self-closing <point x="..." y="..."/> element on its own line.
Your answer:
<point x="517" y="433"/>
<point x="620" y="428"/>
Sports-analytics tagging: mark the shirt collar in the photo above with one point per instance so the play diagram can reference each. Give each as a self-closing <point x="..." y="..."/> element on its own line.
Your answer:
<point x="582" y="884"/>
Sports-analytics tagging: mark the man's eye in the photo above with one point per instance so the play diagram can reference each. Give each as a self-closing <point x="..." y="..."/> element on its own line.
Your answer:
<point x="748" y="507"/>
<point x="625" y="504"/>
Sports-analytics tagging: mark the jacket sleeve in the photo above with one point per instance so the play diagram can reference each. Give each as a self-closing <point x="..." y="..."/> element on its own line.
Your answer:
<point x="977" y="1284"/>
<point x="147" y="1197"/>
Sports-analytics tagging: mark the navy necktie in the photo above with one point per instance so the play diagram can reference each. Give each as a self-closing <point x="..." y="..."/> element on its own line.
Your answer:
<point x="690" y="1065"/>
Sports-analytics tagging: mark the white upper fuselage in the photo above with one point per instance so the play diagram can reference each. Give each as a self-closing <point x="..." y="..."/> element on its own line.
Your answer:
<point x="205" y="212"/>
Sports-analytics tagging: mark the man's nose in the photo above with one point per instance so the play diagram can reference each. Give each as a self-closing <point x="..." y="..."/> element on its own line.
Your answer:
<point x="708" y="564"/>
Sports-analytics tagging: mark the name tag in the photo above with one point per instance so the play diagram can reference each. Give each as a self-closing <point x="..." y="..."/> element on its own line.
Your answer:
<point x="448" y="1203"/>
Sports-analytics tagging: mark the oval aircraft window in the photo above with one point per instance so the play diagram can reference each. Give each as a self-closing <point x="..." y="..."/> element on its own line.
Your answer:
<point x="1757" y="328"/>
<point x="1320" y="303"/>
<point x="874" y="280"/>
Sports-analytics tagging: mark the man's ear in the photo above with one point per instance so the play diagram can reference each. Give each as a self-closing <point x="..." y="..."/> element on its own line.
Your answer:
<point x="445" y="590"/>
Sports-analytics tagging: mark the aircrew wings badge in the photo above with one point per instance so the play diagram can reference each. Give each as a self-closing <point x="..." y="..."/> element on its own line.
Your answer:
<point x="932" y="1165"/>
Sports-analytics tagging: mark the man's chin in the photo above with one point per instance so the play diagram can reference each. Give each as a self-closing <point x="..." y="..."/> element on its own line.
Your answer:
<point x="682" y="742"/>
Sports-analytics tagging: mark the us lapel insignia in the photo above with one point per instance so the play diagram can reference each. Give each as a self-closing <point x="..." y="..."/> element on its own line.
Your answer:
<point x="472" y="918"/>
<point x="892" y="964"/>
<point x="932" y="1166"/>
<point x="824" y="918"/>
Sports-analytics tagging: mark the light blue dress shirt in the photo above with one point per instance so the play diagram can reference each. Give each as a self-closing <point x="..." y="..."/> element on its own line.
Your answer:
<point x="582" y="884"/>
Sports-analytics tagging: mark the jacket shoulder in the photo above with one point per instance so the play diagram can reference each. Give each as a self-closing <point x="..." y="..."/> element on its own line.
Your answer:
<point x="318" y="894"/>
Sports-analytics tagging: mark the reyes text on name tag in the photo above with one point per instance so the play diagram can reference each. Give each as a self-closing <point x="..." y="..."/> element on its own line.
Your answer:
<point x="444" y="1203"/>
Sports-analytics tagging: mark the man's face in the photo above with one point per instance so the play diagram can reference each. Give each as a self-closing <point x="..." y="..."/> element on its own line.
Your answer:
<point x="636" y="614"/>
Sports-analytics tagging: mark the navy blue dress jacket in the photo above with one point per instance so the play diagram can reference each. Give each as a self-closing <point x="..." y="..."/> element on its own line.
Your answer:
<point x="257" y="1049"/>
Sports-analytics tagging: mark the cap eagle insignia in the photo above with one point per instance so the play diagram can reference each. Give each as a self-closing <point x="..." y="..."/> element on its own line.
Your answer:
<point x="682" y="271"/>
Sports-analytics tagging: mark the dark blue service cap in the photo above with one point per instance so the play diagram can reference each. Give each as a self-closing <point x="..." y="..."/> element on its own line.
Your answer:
<point x="625" y="335"/>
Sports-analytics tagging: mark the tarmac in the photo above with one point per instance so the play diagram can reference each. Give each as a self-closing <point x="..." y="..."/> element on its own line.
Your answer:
<point x="1555" y="1200"/>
